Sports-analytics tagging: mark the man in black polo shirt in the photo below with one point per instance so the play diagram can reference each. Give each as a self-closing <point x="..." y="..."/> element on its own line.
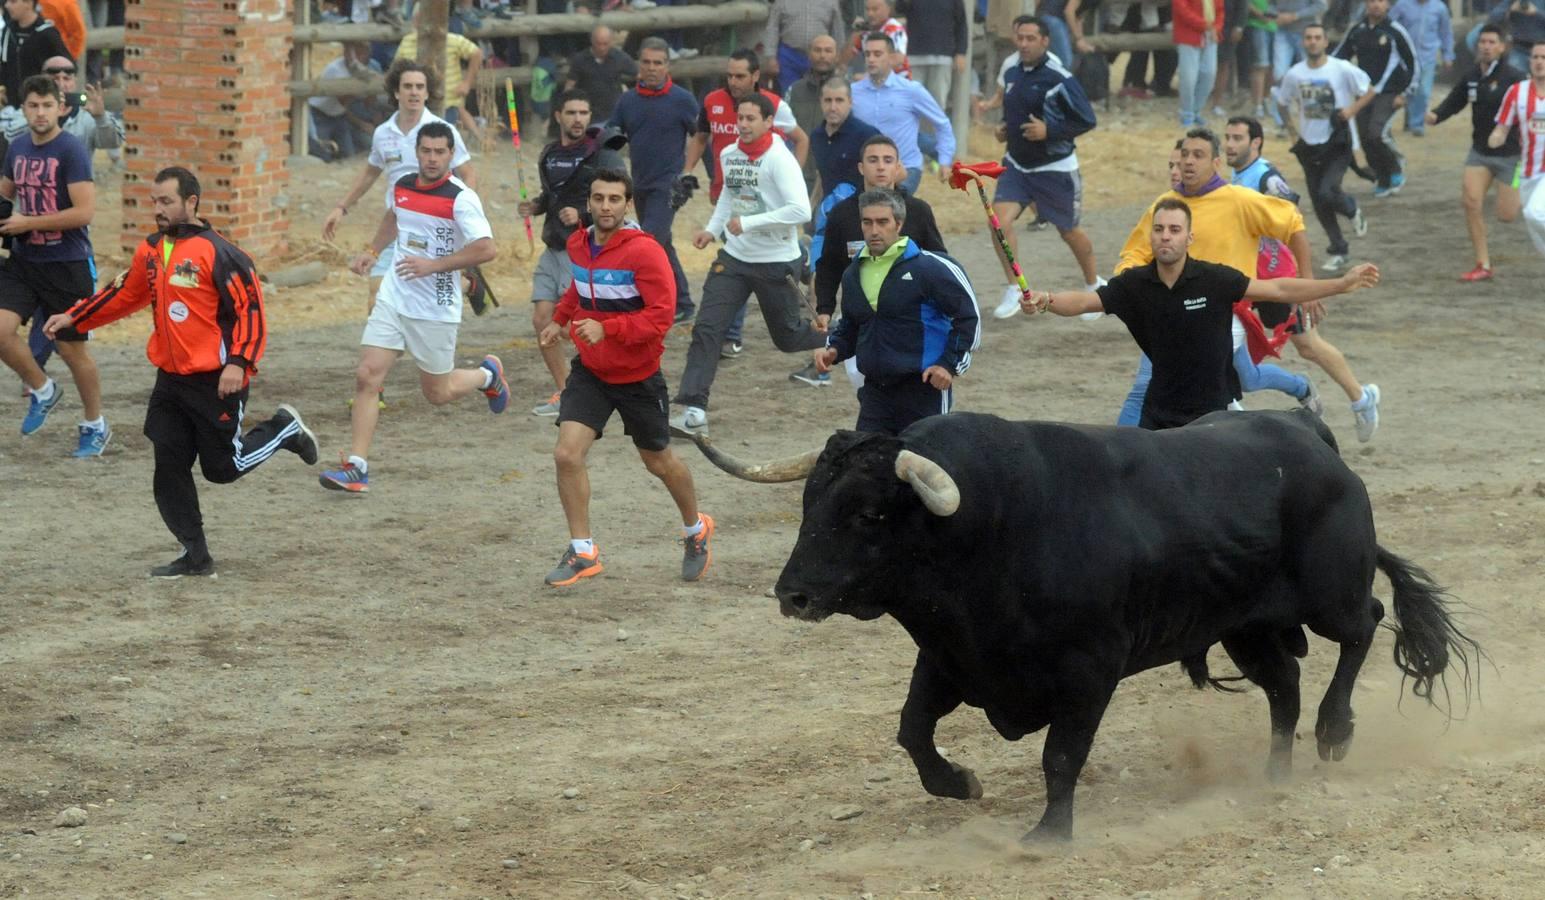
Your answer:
<point x="1180" y="312"/>
<point x="600" y="71"/>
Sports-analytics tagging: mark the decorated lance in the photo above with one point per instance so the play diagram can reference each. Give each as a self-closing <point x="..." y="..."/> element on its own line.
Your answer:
<point x="520" y="170"/>
<point x="960" y="175"/>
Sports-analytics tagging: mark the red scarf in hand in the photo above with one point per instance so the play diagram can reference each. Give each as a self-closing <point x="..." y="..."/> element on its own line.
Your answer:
<point x="756" y="148"/>
<point x="1261" y="344"/>
<point x="660" y="91"/>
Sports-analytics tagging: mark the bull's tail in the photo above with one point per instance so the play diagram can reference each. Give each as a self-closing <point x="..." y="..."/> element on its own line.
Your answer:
<point x="1196" y="669"/>
<point x="1427" y="642"/>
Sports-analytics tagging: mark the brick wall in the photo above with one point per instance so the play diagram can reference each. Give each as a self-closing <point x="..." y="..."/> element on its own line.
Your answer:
<point x="206" y="90"/>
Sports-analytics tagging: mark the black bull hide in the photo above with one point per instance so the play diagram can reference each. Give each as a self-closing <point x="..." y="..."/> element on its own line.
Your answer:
<point x="1080" y="555"/>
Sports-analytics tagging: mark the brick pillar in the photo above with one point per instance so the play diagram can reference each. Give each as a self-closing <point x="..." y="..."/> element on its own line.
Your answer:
<point x="206" y="90"/>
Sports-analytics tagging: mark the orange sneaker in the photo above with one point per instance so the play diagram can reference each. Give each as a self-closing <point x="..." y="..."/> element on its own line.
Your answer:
<point x="697" y="555"/>
<point x="1479" y="273"/>
<point x="573" y="566"/>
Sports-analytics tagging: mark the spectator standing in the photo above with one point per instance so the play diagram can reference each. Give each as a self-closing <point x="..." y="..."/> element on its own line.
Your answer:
<point x="879" y="18"/>
<point x="27" y="40"/>
<point x="459" y="84"/>
<point x="1260" y="32"/>
<point x="937" y="47"/>
<point x="1383" y="50"/>
<point x="600" y="71"/>
<point x="1055" y="14"/>
<point x="1524" y="23"/>
<point x="792" y="25"/>
<point x="895" y="105"/>
<point x="658" y="118"/>
<point x="1432" y="34"/>
<point x="1198" y="30"/>
<point x="804" y="96"/>
<point x="65" y="16"/>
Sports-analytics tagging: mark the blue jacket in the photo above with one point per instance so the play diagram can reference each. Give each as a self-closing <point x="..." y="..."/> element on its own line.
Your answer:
<point x="926" y="316"/>
<point x="1050" y="93"/>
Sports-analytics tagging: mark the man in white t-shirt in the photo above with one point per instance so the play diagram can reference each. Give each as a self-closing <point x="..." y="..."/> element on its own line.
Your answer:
<point x="1524" y="106"/>
<point x="1323" y="94"/>
<point x="757" y="215"/>
<point x="438" y="226"/>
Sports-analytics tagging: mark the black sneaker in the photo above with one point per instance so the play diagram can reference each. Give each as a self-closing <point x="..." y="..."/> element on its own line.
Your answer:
<point x="184" y="565"/>
<point x="304" y="442"/>
<point x="812" y="376"/>
<point x="479" y="294"/>
<point x="731" y="350"/>
<point x="697" y="551"/>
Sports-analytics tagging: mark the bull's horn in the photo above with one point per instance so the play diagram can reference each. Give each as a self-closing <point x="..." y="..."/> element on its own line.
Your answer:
<point x="933" y="485"/>
<point x="778" y="471"/>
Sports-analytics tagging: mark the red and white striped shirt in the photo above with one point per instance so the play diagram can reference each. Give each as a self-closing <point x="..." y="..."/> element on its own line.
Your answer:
<point x="1525" y="107"/>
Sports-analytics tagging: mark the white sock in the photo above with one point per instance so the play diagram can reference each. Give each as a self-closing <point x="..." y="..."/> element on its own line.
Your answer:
<point x="46" y="392"/>
<point x="693" y="530"/>
<point x="97" y="424"/>
<point x="359" y="463"/>
<point x="488" y="379"/>
<point x="583" y="546"/>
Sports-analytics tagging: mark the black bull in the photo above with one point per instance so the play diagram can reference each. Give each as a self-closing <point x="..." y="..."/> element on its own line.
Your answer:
<point x="1036" y="565"/>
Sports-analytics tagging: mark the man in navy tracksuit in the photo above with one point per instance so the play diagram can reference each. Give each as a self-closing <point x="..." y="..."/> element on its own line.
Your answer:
<point x="910" y="317"/>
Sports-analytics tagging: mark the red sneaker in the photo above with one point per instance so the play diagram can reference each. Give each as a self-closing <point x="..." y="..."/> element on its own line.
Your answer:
<point x="1479" y="273"/>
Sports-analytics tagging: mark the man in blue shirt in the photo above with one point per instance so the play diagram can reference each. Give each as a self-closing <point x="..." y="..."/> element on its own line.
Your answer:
<point x="894" y="104"/>
<point x="1044" y="109"/>
<point x="838" y="143"/>
<point x="1432" y="34"/>
<point x="658" y="117"/>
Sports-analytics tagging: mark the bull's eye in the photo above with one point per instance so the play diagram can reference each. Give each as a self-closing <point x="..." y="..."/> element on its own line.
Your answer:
<point x="871" y="517"/>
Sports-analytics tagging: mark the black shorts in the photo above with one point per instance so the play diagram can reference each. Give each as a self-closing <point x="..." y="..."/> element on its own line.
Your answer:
<point x="186" y="412"/>
<point x="1274" y="314"/>
<point x="643" y="406"/>
<point x="26" y="286"/>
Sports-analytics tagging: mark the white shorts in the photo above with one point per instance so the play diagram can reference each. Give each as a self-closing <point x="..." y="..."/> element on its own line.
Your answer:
<point x="431" y="344"/>
<point x="383" y="264"/>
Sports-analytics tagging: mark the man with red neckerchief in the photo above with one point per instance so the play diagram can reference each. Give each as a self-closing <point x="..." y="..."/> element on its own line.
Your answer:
<point x="717" y="126"/>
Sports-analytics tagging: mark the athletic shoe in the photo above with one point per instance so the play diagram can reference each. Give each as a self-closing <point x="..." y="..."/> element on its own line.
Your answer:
<point x="1260" y="111"/>
<point x="1219" y="112"/>
<point x="1397" y="181"/>
<point x="573" y="566"/>
<point x="182" y="565"/>
<point x="1334" y="263"/>
<point x="479" y="294"/>
<point x="697" y="555"/>
<point x="683" y="316"/>
<point x="347" y="477"/>
<point x="498" y="390"/>
<point x="92" y="441"/>
<point x="1366" y="413"/>
<point x="38" y="410"/>
<point x="548" y="407"/>
<point x="809" y="375"/>
<point x="304" y="442"/>
<point x="1359" y="222"/>
<point x="693" y="420"/>
<point x="1037" y="224"/>
<point x="1479" y="273"/>
<point x="731" y="349"/>
<point x="1312" y="402"/>
<point x="1008" y="307"/>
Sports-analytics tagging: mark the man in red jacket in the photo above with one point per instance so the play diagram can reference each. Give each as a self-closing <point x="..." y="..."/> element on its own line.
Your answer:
<point x="617" y="312"/>
<point x="209" y="335"/>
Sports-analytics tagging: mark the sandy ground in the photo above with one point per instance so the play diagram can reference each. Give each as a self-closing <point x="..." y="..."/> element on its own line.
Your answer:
<point x="379" y="698"/>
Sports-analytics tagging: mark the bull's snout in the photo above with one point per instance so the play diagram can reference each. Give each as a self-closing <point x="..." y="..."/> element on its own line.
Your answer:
<point x="794" y="604"/>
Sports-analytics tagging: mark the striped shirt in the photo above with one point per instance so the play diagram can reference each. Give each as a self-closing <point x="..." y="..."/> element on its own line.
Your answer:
<point x="434" y="221"/>
<point x="1525" y="107"/>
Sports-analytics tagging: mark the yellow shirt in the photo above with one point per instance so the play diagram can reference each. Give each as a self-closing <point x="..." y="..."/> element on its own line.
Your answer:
<point x="1227" y="225"/>
<point x="458" y="49"/>
<point x="873" y="269"/>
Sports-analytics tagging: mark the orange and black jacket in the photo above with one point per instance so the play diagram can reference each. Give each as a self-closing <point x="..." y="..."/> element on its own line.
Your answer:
<point x="204" y="294"/>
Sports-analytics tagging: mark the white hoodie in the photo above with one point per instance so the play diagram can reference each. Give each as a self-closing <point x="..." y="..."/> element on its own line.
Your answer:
<point x="769" y="196"/>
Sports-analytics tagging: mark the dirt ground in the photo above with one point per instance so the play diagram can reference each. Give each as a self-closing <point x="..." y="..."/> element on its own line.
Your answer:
<point x="378" y="697"/>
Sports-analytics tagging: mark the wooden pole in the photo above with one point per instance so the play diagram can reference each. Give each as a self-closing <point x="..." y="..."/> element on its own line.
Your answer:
<point x="960" y="92"/>
<point x="736" y="12"/>
<point x="300" y="64"/>
<point x="433" y="17"/>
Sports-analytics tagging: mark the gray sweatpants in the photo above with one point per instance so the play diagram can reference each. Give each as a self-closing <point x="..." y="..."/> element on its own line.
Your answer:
<point x="730" y="284"/>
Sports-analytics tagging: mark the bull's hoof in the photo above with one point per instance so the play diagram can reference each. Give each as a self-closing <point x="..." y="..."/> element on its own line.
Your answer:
<point x="1334" y="752"/>
<point x="1279" y="769"/>
<point x="958" y="784"/>
<point x="1333" y="740"/>
<point x="1048" y="834"/>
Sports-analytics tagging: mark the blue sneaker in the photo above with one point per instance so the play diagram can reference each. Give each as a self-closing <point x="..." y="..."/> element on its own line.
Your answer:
<point x="809" y="375"/>
<point x="498" y="391"/>
<point x="92" y="441"/>
<point x="1382" y="191"/>
<point x="37" y="411"/>
<point x="1396" y="182"/>
<point x="347" y="478"/>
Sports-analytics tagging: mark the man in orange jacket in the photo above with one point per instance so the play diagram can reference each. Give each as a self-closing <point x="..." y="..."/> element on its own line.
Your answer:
<point x="209" y="335"/>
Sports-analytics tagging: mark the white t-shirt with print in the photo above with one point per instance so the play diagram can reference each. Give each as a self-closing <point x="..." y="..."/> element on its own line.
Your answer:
<point x="393" y="152"/>
<point x="433" y="221"/>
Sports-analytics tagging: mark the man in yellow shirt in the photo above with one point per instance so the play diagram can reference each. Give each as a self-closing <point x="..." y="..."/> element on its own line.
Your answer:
<point x="459" y="85"/>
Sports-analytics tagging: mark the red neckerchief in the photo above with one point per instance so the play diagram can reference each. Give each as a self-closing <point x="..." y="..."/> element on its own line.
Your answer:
<point x="660" y="91"/>
<point x="757" y="147"/>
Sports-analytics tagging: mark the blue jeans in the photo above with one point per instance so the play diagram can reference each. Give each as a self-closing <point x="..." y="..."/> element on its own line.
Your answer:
<point x="1198" y="68"/>
<point x="1132" y="407"/>
<point x="1061" y="39"/>
<point x="913" y="179"/>
<point x="1287" y="47"/>
<point x="1416" y="104"/>
<point x="1267" y="377"/>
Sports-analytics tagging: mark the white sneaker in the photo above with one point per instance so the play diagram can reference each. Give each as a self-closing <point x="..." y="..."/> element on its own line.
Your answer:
<point x="1009" y="307"/>
<point x="1334" y="263"/>
<point x="693" y="420"/>
<point x="1366" y="413"/>
<point x="1094" y="316"/>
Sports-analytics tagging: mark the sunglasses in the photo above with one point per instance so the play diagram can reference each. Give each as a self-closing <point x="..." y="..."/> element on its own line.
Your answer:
<point x="69" y="71"/>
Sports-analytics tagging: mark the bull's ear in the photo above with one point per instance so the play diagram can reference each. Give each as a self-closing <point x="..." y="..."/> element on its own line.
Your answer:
<point x="843" y="440"/>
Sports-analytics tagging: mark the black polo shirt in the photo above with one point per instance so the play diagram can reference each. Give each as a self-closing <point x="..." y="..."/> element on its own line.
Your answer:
<point x="602" y="79"/>
<point x="1187" y="332"/>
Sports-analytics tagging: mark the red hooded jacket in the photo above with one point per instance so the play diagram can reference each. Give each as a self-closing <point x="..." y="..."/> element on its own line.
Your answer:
<point x="627" y="285"/>
<point x="1190" y="24"/>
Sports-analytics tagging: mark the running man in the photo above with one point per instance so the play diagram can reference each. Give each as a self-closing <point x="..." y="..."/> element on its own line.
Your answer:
<point x="1382" y="48"/>
<point x="1323" y="95"/>
<point x="565" y="168"/>
<point x="438" y="226"/>
<point x="908" y="316"/>
<point x="1483" y="88"/>
<point x="1180" y="311"/>
<point x="209" y="335"/>
<point x="1044" y="109"/>
<point x="617" y="311"/>
<point x="1524" y="106"/>
<point x="47" y="181"/>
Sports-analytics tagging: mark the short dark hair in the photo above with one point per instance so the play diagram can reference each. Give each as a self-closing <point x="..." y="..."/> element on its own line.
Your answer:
<point x="749" y="57"/>
<point x="890" y="44"/>
<point x="569" y="96"/>
<point x="878" y="139"/>
<point x="760" y="101"/>
<point x="1252" y="127"/>
<point x="398" y="69"/>
<point x="187" y="183"/>
<point x="1205" y="134"/>
<point x="882" y="197"/>
<point x="42" y="86"/>
<point x="1495" y="29"/>
<point x="1173" y="203"/>
<point x="1309" y="26"/>
<point x="614" y="176"/>
<point x="436" y="130"/>
<point x="1037" y="21"/>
